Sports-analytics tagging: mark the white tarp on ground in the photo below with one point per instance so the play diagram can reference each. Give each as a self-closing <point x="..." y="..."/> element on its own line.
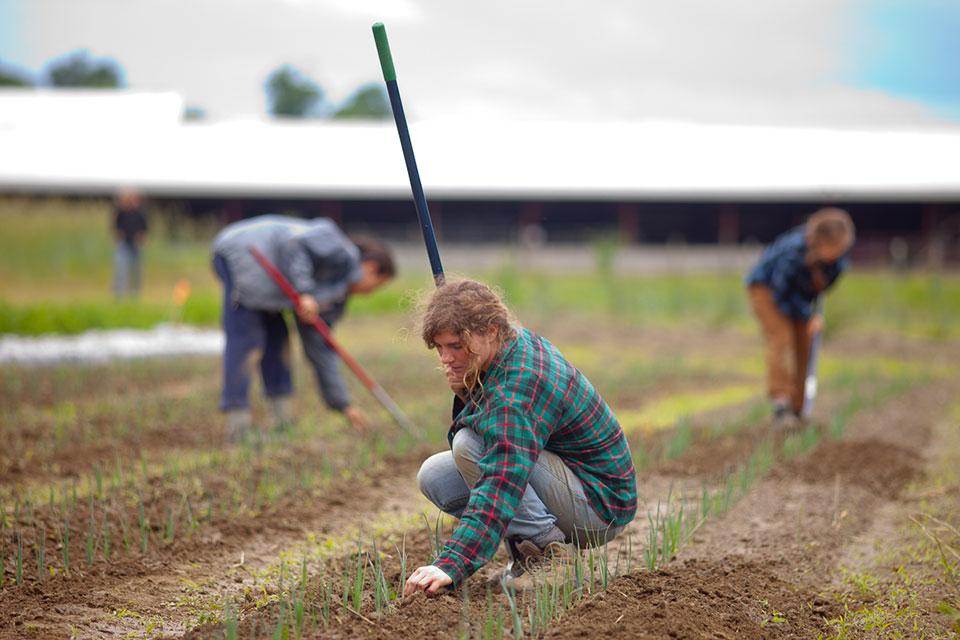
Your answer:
<point x="103" y="346"/>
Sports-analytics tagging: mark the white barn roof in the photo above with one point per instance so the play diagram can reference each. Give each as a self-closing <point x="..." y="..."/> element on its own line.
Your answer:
<point x="94" y="108"/>
<point x="483" y="160"/>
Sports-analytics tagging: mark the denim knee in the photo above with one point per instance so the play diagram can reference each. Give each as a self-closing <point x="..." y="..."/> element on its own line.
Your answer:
<point x="432" y="476"/>
<point x="441" y="484"/>
<point x="426" y="476"/>
<point x="467" y="447"/>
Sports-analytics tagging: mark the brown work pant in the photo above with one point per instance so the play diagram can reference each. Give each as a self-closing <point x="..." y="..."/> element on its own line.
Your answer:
<point x="788" y="348"/>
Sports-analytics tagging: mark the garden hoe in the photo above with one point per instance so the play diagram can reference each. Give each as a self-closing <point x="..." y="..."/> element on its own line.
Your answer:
<point x="810" y="383"/>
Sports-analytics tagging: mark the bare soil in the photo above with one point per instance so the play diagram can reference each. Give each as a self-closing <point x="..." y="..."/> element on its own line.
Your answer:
<point x="765" y="569"/>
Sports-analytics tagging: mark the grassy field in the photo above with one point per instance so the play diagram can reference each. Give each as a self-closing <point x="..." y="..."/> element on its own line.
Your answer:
<point x="55" y="268"/>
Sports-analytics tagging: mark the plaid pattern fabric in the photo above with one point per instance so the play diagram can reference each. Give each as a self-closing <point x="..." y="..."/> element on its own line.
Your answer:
<point x="783" y="269"/>
<point x="533" y="399"/>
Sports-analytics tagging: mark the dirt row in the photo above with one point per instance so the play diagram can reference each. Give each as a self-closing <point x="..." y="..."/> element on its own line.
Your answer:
<point x="168" y="587"/>
<point x="144" y="586"/>
<point x="763" y="570"/>
<point x="147" y="584"/>
<point x="766" y="569"/>
<point x="62" y="431"/>
<point x="87" y="603"/>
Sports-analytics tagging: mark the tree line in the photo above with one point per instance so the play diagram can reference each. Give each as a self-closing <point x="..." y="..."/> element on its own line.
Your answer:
<point x="290" y="92"/>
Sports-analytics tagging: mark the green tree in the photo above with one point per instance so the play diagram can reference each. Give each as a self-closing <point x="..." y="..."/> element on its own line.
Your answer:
<point x="193" y="113"/>
<point x="80" y="69"/>
<point x="10" y="76"/>
<point x="369" y="102"/>
<point x="291" y="94"/>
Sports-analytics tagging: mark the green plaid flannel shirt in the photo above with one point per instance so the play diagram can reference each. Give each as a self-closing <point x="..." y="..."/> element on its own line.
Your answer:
<point x="533" y="399"/>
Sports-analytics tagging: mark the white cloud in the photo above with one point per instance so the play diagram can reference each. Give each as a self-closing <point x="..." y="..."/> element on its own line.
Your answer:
<point x="372" y="10"/>
<point x="773" y="62"/>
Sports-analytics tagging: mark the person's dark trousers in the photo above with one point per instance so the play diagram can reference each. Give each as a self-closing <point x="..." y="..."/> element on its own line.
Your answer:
<point x="324" y="361"/>
<point x="251" y="335"/>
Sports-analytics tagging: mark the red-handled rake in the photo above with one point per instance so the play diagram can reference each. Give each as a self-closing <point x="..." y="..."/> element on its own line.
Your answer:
<point x="378" y="392"/>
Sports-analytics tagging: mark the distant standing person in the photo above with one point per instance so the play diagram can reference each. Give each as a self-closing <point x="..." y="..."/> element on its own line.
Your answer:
<point x="783" y="288"/>
<point x="130" y="232"/>
<point x="325" y="267"/>
<point x="536" y="459"/>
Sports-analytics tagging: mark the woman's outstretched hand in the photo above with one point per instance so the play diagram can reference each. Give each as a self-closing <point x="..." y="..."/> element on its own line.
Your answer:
<point x="429" y="578"/>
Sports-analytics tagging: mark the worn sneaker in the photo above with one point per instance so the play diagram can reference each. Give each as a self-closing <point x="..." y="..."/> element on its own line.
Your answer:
<point x="282" y="413"/>
<point x="530" y="564"/>
<point x="785" y="420"/>
<point x="526" y="555"/>
<point x="533" y="558"/>
<point x="239" y="424"/>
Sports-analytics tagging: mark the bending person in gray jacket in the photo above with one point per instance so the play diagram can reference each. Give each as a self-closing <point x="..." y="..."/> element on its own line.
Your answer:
<point x="325" y="267"/>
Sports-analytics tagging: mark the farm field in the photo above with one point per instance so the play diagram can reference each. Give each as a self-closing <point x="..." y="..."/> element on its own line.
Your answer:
<point x="124" y="514"/>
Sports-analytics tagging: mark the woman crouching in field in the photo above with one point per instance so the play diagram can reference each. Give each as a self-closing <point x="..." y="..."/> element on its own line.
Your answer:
<point x="536" y="456"/>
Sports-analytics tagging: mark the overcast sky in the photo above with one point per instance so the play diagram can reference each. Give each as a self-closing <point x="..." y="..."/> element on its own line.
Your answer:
<point x="837" y="63"/>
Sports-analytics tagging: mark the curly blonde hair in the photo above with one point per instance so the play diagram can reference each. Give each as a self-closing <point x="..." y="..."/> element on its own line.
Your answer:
<point x="466" y="308"/>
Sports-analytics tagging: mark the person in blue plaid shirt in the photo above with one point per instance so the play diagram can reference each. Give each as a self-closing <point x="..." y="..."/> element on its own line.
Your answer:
<point x="536" y="457"/>
<point x="783" y="287"/>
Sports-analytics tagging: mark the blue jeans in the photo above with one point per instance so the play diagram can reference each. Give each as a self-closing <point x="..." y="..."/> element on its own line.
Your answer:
<point x="251" y="335"/>
<point x="126" y="269"/>
<point x="554" y="495"/>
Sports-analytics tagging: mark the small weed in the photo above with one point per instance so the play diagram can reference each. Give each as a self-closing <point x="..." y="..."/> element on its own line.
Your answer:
<point x="192" y="521"/>
<point x="98" y="480"/>
<point x="402" y="555"/>
<point x="679" y="441"/>
<point x="435" y="534"/>
<point x="326" y="601"/>
<point x="41" y="554"/>
<point x="382" y="595"/>
<point x="170" y="531"/>
<point x="664" y="535"/>
<point x="105" y="533"/>
<point x="492" y="628"/>
<point x="952" y="611"/>
<point x="90" y="546"/>
<point x="65" y="544"/>
<point x="800" y="443"/>
<point x="511" y="596"/>
<point x="19" y="565"/>
<point x="124" y="533"/>
<point x="142" y="521"/>
<point x="463" y="629"/>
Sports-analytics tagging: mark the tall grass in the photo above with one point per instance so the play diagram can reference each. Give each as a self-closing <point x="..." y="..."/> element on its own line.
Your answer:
<point x="56" y="261"/>
<point x="68" y="247"/>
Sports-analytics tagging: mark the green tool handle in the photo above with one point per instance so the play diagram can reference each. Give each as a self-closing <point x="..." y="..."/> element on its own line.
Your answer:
<point x="383" y="50"/>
